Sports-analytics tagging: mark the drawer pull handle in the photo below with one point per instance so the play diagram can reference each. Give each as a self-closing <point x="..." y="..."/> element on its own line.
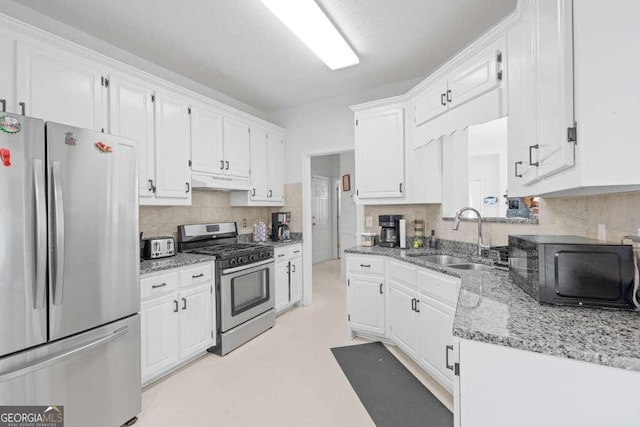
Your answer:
<point x="158" y="286"/>
<point x="365" y="265"/>
<point x="197" y="276"/>
<point x="184" y="303"/>
<point x="518" y="175"/>
<point x="175" y="306"/>
<point x="417" y="306"/>
<point x="280" y="255"/>
<point x="381" y="288"/>
<point x="531" y="162"/>
<point x="413" y="304"/>
<point x="446" y="352"/>
<point x="296" y="252"/>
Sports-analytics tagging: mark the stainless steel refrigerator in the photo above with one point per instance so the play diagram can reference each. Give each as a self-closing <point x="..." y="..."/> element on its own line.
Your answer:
<point x="69" y="271"/>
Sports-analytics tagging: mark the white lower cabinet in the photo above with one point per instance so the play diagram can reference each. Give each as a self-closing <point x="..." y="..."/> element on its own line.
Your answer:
<point x="288" y="276"/>
<point x="178" y="319"/>
<point x="419" y="308"/>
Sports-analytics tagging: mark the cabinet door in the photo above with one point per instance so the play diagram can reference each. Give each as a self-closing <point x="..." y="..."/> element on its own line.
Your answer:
<point x="402" y="317"/>
<point x="365" y="304"/>
<point x="282" y="285"/>
<point x="60" y="87"/>
<point x="521" y="126"/>
<point x="237" y="148"/>
<point x="206" y="141"/>
<point x="131" y="116"/>
<point x="296" y="279"/>
<point x="478" y="75"/>
<point x="380" y="154"/>
<point x="434" y="330"/>
<point x="430" y="103"/>
<point x="196" y="320"/>
<point x="172" y="147"/>
<point x="259" y="164"/>
<point x="159" y="332"/>
<point x="8" y="76"/>
<point x="555" y="86"/>
<point x="275" y="144"/>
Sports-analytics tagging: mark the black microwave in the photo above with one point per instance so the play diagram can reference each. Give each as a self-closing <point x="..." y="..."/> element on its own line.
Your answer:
<point x="573" y="270"/>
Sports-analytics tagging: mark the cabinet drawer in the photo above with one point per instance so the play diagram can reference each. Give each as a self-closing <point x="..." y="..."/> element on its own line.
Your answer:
<point x="194" y="275"/>
<point x="439" y="286"/>
<point x="158" y="285"/>
<point x="403" y="272"/>
<point x="363" y="264"/>
<point x="286" y="252"/>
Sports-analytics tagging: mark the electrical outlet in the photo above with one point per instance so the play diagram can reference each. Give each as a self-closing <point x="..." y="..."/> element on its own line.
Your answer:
<point x="369" y="221"/>
<point x="244" y="222"/>
<point x="602" y="232"/>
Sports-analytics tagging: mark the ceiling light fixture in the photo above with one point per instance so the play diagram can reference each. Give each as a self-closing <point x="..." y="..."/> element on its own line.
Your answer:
<point x="311" y="25"/>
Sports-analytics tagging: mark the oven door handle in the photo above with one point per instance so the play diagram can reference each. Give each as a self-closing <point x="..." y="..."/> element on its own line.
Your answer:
<point x="247" y="266"/>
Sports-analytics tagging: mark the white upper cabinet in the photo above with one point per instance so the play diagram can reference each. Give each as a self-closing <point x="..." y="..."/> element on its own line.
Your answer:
<point x="379" y="147"/>
<point x="172" y="131"/>
<point x="555" y="150"/>
<point x="431" y="102"/>
<point x="259" y="167"/>
<point x="8" y="101"/>
<point x="57" y="86"/>
<point x="237" y="146"/>
<point x="480" y="74"/>
<point x="131" y="116"/>
<point x="275" y="167"/>
<point x="207" y="140"/>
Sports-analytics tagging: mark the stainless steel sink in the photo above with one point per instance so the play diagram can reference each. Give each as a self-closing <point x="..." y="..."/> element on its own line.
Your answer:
<point x="441" y="259"/>
<point x="470" y="266"/>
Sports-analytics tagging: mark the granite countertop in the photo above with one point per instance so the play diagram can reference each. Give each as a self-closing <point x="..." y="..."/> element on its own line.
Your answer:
<point x="279" y="244"/>
<point x="492" y="309"/>
<point x="179" y="260"/>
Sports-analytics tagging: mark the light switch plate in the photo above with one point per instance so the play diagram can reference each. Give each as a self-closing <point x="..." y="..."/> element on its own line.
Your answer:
<point x="244" y="222"/>
<point x="602" y="232"/>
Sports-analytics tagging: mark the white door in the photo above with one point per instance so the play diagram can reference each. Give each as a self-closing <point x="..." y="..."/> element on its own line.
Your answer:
<point x="430" y="103"/>
<point x="296" y="279"/>
<point x="131" y="116"/>
<point x="237" y="148"/>
<point x="172" y="147"/>
<point x="60" y="87"/>
<point x="380" y="154"/>
<point x="275" y="144"/>
<point x="159" y="332"/>
<point x="282" y="285"/>
<point x="8" y="76"/>
<point x="434" y="334"/>
<point x="321" y="220"/>
<point x="259" y="164"/>
<point x="365" y="304"/>
<point x="478" y="75"/>
<point x="196" y="320"/>
<point x="402" y="317"/>
<point x="555" y="87"/>
<point x="207" y="142"/>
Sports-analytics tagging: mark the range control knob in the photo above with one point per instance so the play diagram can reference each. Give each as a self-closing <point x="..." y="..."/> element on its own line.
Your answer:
<point x="233" y="261"/>
<point x="252" y="257"/>
<point x="240" y="260"/>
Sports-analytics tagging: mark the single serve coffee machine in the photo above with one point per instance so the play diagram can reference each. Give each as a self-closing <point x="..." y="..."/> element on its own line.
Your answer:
<point x="390" y="231"/>
<point x="280" y="226"/>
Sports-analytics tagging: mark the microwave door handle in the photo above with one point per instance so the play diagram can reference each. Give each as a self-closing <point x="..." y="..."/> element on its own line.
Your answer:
<point x="40" y="284"/>
<point x="58" y="217"/>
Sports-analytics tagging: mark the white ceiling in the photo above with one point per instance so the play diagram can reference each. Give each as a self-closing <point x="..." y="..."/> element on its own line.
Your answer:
<point x="239" y="48"/>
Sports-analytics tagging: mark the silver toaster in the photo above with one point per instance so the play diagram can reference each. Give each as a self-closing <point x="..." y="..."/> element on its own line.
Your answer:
<point x="158" y="247"/>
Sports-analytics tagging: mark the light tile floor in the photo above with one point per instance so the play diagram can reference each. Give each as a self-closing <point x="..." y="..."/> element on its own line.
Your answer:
<point x="285" y="377"/>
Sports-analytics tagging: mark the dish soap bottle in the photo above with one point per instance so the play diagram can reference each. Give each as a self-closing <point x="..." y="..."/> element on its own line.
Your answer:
<point x="433" y="240"/>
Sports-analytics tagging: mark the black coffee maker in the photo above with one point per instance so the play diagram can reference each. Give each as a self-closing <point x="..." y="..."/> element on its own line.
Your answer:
<point x="280" y="226"/>
<point x="390" y="231"/>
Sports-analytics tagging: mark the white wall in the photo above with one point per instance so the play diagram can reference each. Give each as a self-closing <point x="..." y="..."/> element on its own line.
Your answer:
<point x="348" y="215"/>
<point x="326" y="123"/>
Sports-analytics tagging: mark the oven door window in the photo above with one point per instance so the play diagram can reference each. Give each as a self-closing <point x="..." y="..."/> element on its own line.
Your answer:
<point x="249" y="290"/>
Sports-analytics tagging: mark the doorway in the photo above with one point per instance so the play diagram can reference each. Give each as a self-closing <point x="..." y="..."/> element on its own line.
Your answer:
<point x="322" y="219"/>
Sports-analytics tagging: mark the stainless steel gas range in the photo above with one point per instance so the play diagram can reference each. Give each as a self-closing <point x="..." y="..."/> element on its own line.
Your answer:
<point x="245" y="281"/>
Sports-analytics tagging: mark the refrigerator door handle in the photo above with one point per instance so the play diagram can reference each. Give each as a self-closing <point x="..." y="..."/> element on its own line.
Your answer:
<point x="58" y="214"/>
<point x="40" y="283"/>
<point x="35" y="366"/>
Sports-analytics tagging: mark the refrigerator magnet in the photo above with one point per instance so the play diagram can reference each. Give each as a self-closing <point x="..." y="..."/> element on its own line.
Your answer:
<point x="102" y="147"/>
<point x="10" y="124"/>
<point x="69" y="139"/>
<point x="5" y="156"/>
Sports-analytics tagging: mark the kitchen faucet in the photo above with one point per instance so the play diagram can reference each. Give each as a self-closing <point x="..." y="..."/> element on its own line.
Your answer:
<point x="456" y="224"/>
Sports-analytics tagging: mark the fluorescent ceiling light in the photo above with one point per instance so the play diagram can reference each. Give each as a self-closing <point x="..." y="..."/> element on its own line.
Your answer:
<point x="311" y="25"/>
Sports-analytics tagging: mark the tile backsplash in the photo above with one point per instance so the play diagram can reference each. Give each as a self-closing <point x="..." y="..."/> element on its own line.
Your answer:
<point x="619" y="212"/>
<point x="215" y="206"/>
